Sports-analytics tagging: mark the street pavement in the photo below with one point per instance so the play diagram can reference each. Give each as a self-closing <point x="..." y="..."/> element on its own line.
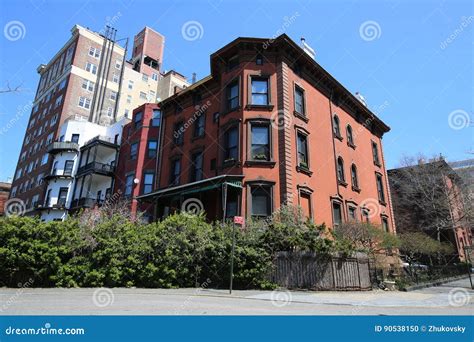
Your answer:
<point x="455" y="298"/>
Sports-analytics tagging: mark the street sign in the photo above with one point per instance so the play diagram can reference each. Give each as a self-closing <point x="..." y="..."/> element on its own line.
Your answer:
<point x="239" y="220"/>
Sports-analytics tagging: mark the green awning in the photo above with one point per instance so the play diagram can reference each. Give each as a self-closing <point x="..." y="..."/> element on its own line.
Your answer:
<point x="196" y="187"/>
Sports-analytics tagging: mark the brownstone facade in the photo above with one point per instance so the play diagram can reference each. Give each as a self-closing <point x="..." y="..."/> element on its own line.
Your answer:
<point x="270" y="126"/>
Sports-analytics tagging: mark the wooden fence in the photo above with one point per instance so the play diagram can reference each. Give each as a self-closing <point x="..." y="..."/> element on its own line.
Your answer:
<point x="305" y="270"/>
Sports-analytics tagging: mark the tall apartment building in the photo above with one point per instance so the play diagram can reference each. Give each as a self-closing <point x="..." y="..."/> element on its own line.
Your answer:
<point x="89" y="79"/>
<point x="270" y="126"/>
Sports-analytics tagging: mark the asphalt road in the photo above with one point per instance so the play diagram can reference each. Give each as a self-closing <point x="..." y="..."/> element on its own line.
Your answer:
<point x="455" y="298"/>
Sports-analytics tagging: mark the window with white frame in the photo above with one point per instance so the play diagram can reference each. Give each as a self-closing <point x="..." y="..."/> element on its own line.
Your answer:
<point x="84" y="102"/>
<point x="115" y="78"/>
<point x="92" y="68"/>
<point x="94" y="52"/>
<point x="88" y="85"/>
<point x="118" y="64"/>
<point x="113" y="95"/>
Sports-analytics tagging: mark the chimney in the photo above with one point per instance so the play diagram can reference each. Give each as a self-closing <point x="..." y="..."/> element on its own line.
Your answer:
<point x="308" y="49"/>
<point x="193" y="79"/>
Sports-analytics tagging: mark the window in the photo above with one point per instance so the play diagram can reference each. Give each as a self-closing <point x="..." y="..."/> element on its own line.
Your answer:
<point x="115" y="78"/>
<point x="88" y="85"/>
<point x="302" y="146"/>
<point x="94" y="52"/>
<point x="152" y="148"/>
<point x="62" y="196"/>
<point x="84" y="102"/>
<point x="199" y="126"/>
<point x="133" y="151"/>
<point x="215" y="117"/>
<point x="261" y="201"/>
<point x="336" y="214"/>
<point x="260" y="149"/>
<point x="337" y="128"/>
<point x="385" y="224"/>
<point x="259" y="59"/>
<point x="143" y="95"/>
<point x="197" y="172"/>
<point x="144" y="78"/>
<point x="148" y="178"/>
<point x="113" y="95"/>
<point x="154" y="77"/>
<point x="49" y="139"/>
<point x="175" y="171"/>
<point x="129" y="98"/>
<point x="44" y="160"/>
<point x="232" y="95"/>
<point x="340" y="171"/>
<point x="75" y="138"/>
<point x="375" y="153"/>
<point x="58" y="101"/>
<point x="68" y="165"/>
<point x="231" y="144"/>
<point x="354" y="178"/>
<point x="380" y="190"/>
<point x="129" y="184"/>
<point x="126" y="112"/>
<point x="299" y="101"/>
<point x="305" y="204"/>
<point x="156" y="118"/>
<point x="110" y="111"/>
<point x="137" y="120"/>
<point x="352" y="213"/>
<point x="178" y="135"/>
<point x="350" y="137"/>
<point x="92" y="68"/>
<point x="130" y="85"/>
<point x="365" y="215"/>
<point x="260" y="91"/>
<point x="118" y="64"/>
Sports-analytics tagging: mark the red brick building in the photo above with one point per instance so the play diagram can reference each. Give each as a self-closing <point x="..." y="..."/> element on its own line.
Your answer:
<point x="4" y="193"/>
<point x="137" y="161"/>
<point x="270" y="126"/>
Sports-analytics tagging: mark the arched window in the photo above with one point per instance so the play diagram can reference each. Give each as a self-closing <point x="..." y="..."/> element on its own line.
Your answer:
<point x="340" y="170"/>
<point x="337" y="128"/>
<point x="355" y="180"/>
<point x="350" y="137"/>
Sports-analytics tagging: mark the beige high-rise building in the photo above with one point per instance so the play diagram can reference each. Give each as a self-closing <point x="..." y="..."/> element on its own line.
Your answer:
<point x="88" y="79"/>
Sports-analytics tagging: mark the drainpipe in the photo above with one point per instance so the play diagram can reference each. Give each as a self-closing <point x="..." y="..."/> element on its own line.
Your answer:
<point x="122" y="72"/>
<point x="96" y="88"/>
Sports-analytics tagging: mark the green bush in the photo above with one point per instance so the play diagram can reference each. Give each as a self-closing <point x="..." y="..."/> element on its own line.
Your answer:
<point x="180" y="251"/>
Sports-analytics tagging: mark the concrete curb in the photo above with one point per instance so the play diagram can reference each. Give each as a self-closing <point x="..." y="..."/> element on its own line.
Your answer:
<point x="433" y="283"/>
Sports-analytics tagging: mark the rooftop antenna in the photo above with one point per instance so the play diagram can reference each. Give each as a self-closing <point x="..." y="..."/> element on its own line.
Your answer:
<point x="193" y="79"/>
<point x="308" y="49"/>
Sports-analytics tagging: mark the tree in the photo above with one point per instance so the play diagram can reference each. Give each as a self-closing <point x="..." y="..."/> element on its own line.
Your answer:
<point x="9" y="89"/>
<point x="428" y="197"/>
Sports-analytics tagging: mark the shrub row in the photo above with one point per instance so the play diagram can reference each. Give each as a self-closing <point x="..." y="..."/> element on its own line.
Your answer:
<point x="181" y="251"/>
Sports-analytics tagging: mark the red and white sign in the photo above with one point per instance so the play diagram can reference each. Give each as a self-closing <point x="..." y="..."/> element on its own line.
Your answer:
<point x="239" y="220"/>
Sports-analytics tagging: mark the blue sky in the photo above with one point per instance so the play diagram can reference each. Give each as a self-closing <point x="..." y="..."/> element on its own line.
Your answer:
<point x="412" y="60"/>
